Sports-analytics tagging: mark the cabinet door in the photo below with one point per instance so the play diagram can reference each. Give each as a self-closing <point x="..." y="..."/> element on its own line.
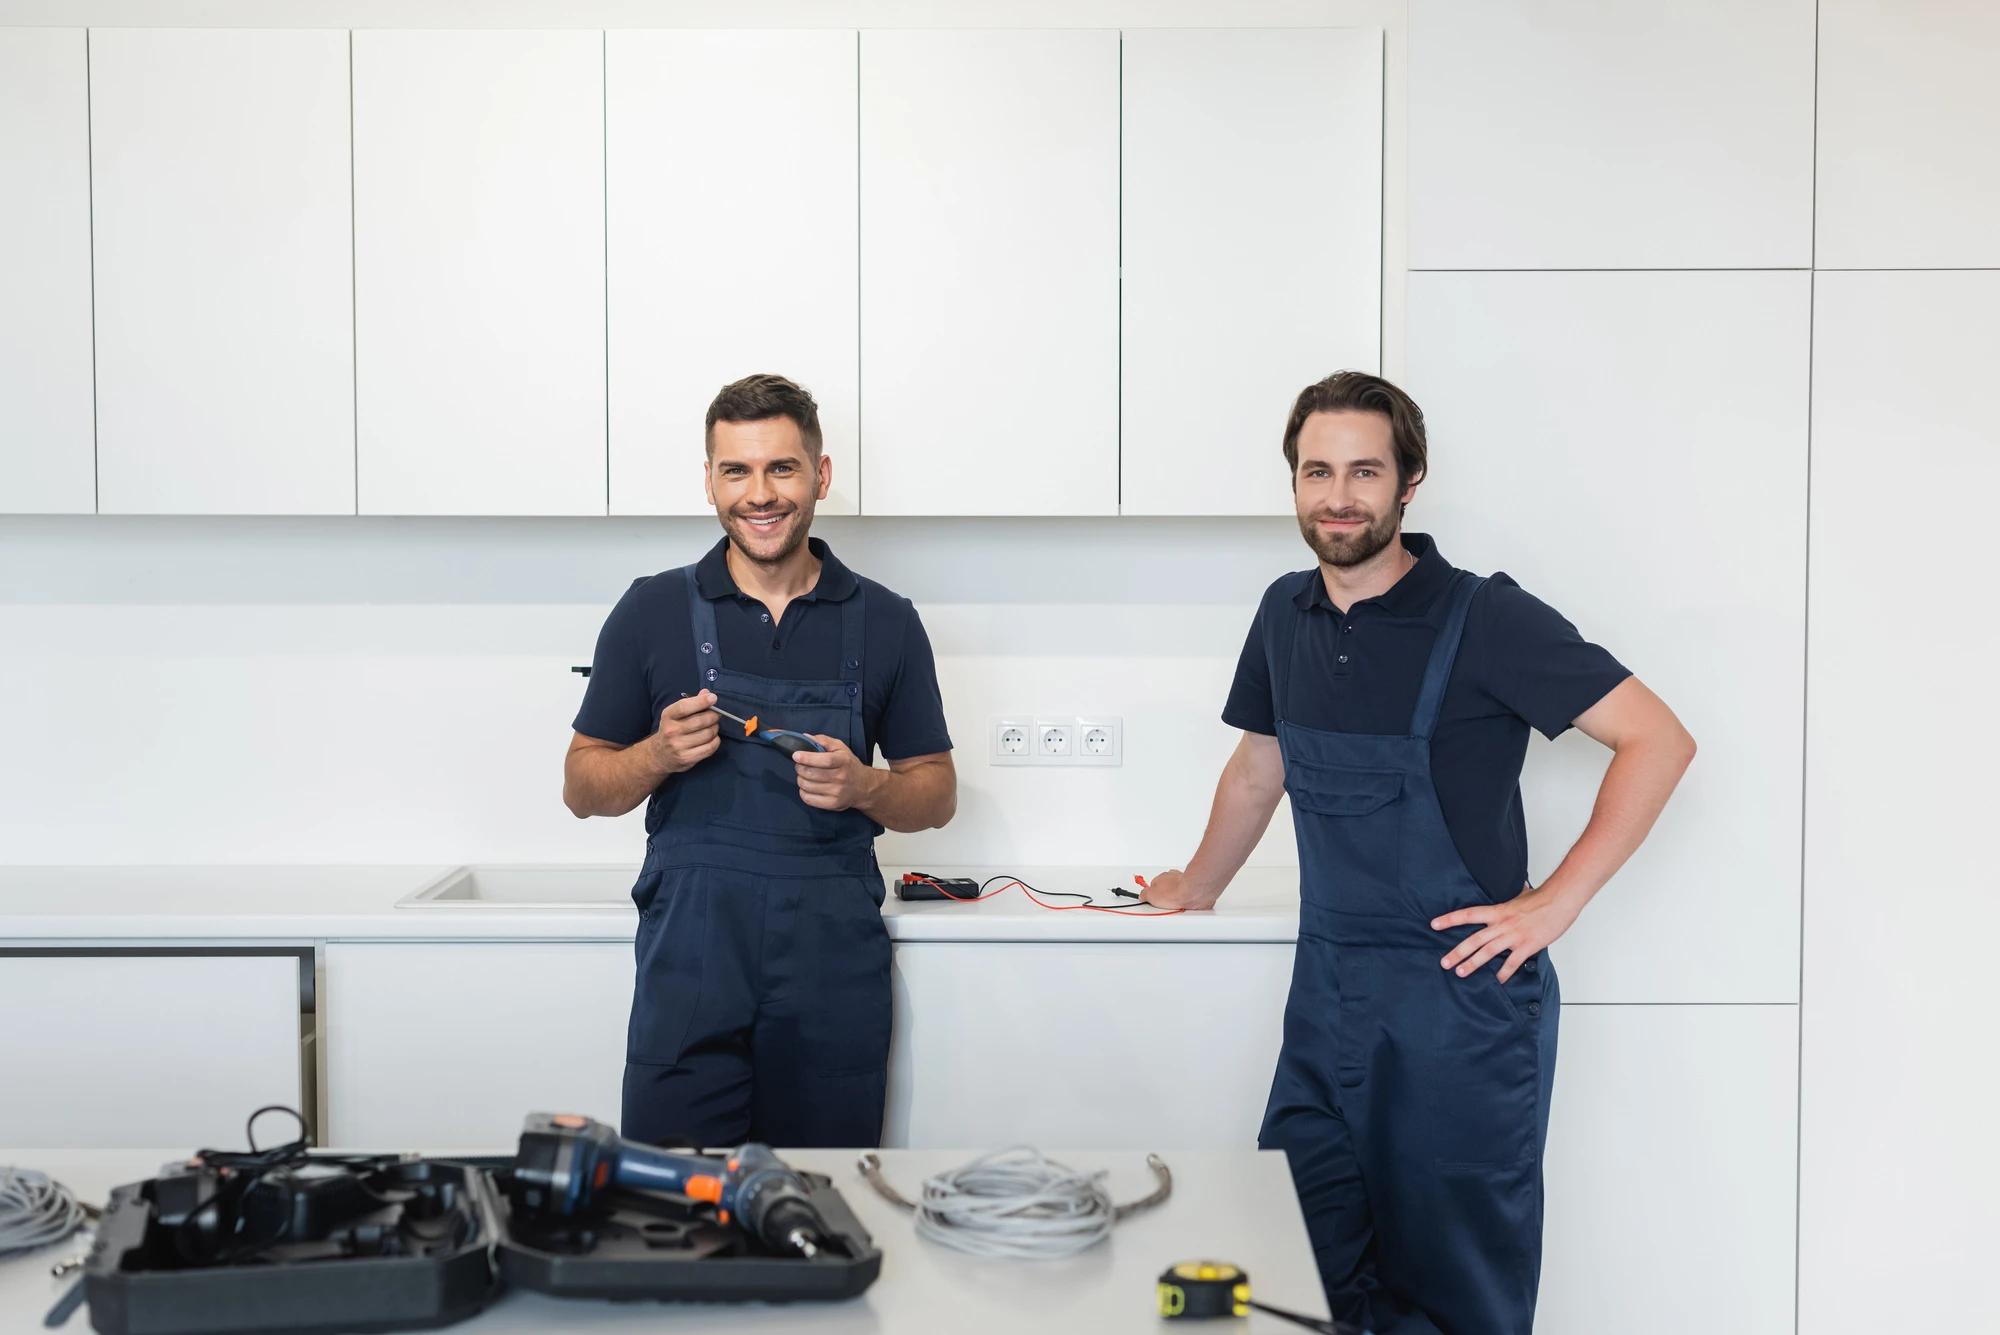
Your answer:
<point x="1671" y="1169"/>
<point x="145" y="1050"/>
<point x="479" y="272"/>
<point x="731" y="180"/>
<point x="1253" y="252"/>
<point x="1084" y="1046"/>
<point x="220" y="167"/>
<point x="989" y="272"/>
<point x="449" y="1046"/>
<point x="46" y="418"/>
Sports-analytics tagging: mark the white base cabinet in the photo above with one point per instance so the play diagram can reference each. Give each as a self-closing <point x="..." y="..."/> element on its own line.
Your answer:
<point x="1086" y="1046"/>
<point x="449" y="1045"/>
<point x="103" y="1050"/>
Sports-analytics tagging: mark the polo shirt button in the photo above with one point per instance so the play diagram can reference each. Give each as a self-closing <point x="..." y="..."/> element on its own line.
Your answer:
<point x="707" y="648"/>
<point x="711" y="674"/>
<point x="1347" y="630"/>
<point x="764" y="616"/>
<point x="853" y="664"/>
<point x="853" y="689"/>
<point x="1534" y="1008"/>
<point x="1343" y="658"/>
<point x="1530" y="965"/>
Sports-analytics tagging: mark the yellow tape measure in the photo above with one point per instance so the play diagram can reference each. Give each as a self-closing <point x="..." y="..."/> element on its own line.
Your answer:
<point x="1204" y="1288"/>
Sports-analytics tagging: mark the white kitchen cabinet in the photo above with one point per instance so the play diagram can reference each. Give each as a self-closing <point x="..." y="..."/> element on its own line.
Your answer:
<point x="732" y="176"/>
<point x="989" y="272"/>
<point x="1631" y="447"/>
<point x="1587" y="134"/>
<point x="152" y="1050"/>
<point x="47" y="464"/>
<point x="1084" y="1045"/>
<point x="1670" y="1172"/>
<point x="1900" y="1188"/>
<point x="449" y="1045"/>
<point x="220" y="166"/>
<point x="1908" y="115"/>
<point x="479" y="272"/>
<point x="1252" y="222"/>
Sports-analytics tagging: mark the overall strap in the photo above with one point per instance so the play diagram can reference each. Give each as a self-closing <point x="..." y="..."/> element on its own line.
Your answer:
<point x="701" y="616"/>
<point x="853" y="636"/>
<point x="1281" y="632"/>
<point x="1430" y="701"/>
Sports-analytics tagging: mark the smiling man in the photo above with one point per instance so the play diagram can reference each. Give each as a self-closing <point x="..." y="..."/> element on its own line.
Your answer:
<point x="761" y="1010"/>
<point x="1391" y="695"/>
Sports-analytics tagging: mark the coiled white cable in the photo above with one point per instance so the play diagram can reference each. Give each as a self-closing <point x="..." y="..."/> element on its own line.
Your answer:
<point x="35" y="1210"/>
<point x="1018" y="1203"/>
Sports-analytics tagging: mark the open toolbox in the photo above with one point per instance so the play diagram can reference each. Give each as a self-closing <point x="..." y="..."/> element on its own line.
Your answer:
<point x="387" y="1242"/>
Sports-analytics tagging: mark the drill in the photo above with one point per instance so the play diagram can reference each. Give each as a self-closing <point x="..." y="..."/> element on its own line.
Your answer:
<point x="565" y="1159"/>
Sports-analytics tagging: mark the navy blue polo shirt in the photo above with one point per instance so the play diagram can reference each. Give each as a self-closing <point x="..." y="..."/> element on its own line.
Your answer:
<point x="1520" y="665"/>
<point x="645" y="657"/>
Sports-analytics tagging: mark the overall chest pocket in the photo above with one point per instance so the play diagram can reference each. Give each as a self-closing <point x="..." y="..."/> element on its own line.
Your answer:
<point x="1350" y="830"/>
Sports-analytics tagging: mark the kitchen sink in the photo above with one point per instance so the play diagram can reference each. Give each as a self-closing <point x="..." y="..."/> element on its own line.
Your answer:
<point x="536" y="887"/>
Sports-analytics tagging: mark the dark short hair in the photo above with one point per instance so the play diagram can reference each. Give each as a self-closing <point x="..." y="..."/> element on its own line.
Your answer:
<point x="1357" y="391"/>
<point x="759" y="398"/>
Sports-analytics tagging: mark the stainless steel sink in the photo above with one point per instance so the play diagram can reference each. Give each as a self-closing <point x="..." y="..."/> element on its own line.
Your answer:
<point x="533" y="887"/>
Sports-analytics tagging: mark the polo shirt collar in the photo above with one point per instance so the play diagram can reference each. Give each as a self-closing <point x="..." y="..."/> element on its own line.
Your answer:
<point x="1410" y="596"/>
<point x="836" y="582"/>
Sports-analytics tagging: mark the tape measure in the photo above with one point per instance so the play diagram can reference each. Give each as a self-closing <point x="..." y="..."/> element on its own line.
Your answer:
<point x="1204" y="1288"/>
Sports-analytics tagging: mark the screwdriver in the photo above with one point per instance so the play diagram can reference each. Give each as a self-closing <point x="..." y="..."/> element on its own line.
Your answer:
<point x="788" y="742"/>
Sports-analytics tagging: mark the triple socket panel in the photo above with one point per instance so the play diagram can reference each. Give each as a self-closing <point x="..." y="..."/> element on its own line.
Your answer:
<point x="1055" y="739"/>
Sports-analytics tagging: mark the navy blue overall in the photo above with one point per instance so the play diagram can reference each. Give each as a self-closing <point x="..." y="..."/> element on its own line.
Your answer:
<point x="761" y="1010"/>
<point x="1412" y="1103"/>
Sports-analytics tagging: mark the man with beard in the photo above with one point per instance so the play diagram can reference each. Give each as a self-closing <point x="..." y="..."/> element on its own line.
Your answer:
<point x="1391" y="695"/>
<point x="761" y="1010"/>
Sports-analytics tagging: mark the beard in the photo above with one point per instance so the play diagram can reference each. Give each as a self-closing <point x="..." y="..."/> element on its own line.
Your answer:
<point x="769" y="546"/>
<point x="1342" y="550"/>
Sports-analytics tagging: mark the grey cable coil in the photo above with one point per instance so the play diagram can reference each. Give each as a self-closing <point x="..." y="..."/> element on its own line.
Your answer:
<point x="1018" y="1203"/>
<point x="35" y="1210"/>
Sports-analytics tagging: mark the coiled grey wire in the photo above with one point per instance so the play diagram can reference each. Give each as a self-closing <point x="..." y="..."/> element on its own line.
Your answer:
<point x="1019" y="1203"/>
<point x="35" y="1210"/>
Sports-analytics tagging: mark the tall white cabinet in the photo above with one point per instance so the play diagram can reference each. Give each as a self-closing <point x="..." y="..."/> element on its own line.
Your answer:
<point x="479" y="272"/>
<point x="46" y="413"/>
<point x="1252" y="223"/>
<point x="220" y="171"/>
<point x="989" y="272"/>
<point x="731" y="169"/>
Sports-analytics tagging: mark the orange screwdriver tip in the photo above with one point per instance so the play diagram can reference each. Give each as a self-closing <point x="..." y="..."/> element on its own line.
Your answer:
<point x="750" y="725"/>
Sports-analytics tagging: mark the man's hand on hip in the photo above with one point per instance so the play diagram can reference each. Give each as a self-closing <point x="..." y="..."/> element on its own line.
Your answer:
<point x="835" y="779"/>
<point x="1528" y="923"/>
<point x="688" y="735"/>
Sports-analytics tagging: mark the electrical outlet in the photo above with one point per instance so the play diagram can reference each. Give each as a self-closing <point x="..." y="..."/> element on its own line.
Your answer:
<point x="1010" y="741"/>
<point x="1100" y="740"/>
<point x="1055" y="738"/>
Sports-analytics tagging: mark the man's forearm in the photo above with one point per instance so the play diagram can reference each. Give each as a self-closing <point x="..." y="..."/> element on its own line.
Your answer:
<point x="1245" y="797"/>
<point x="1642" y="776"/>
<point x="921" y="797"/>
<point x="610" y="781"/>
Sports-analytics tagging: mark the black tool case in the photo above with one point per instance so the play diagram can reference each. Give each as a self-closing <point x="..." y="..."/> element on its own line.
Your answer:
<point x="453" y="1245"/>
<point x="398" y="1245"/>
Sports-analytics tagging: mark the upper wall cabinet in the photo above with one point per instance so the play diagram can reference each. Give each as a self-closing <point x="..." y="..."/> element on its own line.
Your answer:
<point x="1252" y="252"/>
<point x="45" y="379"/>
<point x="479" y="272"/>
<point x="989" y="272"/>
<point x="225" y="374"/>
<point x="731" y="167"/>
<point x="1909" y="112"/>
<point x="1595" y="134"/>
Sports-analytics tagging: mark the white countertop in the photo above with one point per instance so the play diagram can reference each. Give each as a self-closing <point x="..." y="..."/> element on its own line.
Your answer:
<point x="267" y="905"/>
<point x="1235" y="1206"/>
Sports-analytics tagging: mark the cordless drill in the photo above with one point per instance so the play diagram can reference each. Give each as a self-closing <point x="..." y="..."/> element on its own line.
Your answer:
<point x="565" y="1159"/>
